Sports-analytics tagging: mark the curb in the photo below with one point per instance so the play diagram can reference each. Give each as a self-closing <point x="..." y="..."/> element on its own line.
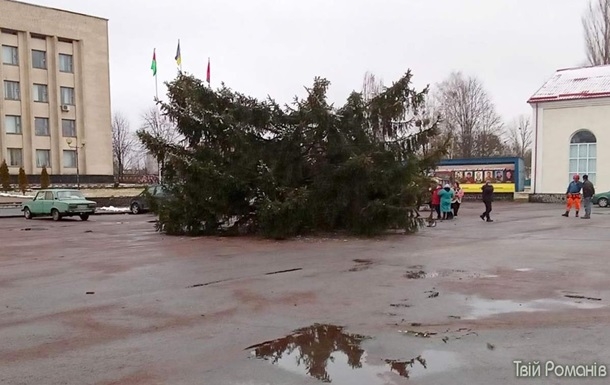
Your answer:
<point x="96" y="214"/>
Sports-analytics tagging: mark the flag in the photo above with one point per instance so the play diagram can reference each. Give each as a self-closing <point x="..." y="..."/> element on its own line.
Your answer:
<point x="207" y="76"/>
<point x="153" y="66"/>
<point x="178" y="55"/>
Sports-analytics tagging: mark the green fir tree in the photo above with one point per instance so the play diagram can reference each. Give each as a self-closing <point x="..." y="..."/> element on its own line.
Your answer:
<point x="45" y="180"/>
<point x="23" y="181"/>
<point x="5" y="177"/>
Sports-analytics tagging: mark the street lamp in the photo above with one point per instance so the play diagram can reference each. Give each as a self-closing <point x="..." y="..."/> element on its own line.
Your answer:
<point x="76" y="147"/>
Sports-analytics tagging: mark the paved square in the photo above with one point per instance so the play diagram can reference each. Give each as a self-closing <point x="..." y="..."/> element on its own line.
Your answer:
<point x="110" y="301"/>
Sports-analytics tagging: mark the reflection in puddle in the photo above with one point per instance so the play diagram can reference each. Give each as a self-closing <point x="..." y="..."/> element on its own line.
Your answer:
<point x="482" y="308"/>
<point x="328" y="354"/>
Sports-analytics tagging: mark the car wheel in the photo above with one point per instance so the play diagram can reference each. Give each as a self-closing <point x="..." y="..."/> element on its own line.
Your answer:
<point x="84" y="217"/>
<point x="602" y="202"/>
<point x="27" y="213"/>
<point x="56" y="215"/>
<point x="135" y="208"/>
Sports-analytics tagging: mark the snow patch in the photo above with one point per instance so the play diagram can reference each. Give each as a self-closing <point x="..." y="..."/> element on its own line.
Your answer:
<point x="114" y="209"/>
<point x="13" y="195"/>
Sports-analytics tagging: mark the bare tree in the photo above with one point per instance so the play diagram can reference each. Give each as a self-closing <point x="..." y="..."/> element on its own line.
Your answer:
<point x="596" y="25"/>
<point x="160" y="127"/>
<point x="469" y="117"/>
<point x="520" y="136"/>
<point x="520" y="140"/>
<point x="124" y="143"/>
<point x="371" y="86"/>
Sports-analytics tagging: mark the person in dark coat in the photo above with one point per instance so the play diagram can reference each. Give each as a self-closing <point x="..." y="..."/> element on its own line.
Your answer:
<point x="488" y="195"/>
<point x="588" y="190"/>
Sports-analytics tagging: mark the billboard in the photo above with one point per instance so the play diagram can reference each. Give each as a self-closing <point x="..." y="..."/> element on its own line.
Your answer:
<point x="472" y="177"/>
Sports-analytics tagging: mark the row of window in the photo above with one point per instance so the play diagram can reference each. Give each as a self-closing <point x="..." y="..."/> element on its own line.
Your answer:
<point x="10" y="56"/>
<point x="40" y="93"/>
<point x="12" y="125"/>
<point x="583" y="155"/>
<point x="43" y="158"/>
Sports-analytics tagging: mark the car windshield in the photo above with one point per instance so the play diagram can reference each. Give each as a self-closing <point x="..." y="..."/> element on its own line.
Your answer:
<point x="70" y="195"/>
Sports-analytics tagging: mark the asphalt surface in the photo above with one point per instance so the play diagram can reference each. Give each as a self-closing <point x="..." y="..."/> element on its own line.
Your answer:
<point x="111" y="302"/>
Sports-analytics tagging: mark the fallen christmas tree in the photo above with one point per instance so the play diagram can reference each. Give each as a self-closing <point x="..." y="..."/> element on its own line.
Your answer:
<point x="250" y="166"/>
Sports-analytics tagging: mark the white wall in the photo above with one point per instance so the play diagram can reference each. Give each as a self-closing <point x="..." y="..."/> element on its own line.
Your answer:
<point x="557" y="122"/>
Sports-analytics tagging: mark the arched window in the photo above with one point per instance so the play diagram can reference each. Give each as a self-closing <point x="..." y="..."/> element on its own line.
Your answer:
<point x="583" y="154"/>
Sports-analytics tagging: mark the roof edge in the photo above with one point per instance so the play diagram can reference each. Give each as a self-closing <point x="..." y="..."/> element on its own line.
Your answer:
<point x="581" y="67"/>
<point x="568" y="97"/>
<point x="57" y="9"/>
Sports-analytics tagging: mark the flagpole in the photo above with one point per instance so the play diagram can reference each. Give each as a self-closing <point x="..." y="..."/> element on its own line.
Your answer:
<point x="156" y="87"/>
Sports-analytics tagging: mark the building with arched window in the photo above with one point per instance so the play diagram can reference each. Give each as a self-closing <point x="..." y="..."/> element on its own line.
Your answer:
<point x="571" y="117"/>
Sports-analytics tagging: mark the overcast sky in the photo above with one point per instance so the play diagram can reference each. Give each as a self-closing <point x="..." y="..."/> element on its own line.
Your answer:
<point x="276" y="47"/>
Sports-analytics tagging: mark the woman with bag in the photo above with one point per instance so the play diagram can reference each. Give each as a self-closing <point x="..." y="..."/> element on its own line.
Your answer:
<point x="457" y="199"/>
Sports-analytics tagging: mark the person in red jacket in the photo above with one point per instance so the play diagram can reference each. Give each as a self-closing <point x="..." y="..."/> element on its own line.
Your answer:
<point x="435" y="202"/>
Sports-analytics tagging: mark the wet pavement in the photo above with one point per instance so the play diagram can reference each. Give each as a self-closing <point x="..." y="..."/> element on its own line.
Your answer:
<point x="111" y="302"/>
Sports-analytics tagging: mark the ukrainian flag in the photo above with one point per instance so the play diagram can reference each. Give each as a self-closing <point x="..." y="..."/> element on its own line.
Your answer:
<point x="178" y="55"/>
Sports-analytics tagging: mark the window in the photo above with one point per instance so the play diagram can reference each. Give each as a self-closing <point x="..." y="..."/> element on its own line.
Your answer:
<point x="67" y="96"/>
<point x="41" y="126"/>
<point x="69" y="159"/>
<point x="12" y="124"/>
<point x="43" y="158"/>
<point x="66" y="64"/>
<point x="68" y="128"/>
<point x="15" y="157"/>
<point x="583" y="154"/>
<point x="10" y="55"/>
<point x="39" y="59"/>
<point x="41" y="93"/>
<point x="11" y="90"/>
<point x="48" y="196"/>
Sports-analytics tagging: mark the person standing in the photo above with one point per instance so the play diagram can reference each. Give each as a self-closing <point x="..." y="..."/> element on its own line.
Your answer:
<point x="446" y="194"/>
<point x="457" y="199"/>
<point x="488" y="194"/>
<point x="573" y="196"/>
<point x="435" y="202"/>
<point x="588" y="190"/>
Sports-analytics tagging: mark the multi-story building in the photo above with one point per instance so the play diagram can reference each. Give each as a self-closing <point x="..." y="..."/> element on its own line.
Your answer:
<point x="55" y="93"/>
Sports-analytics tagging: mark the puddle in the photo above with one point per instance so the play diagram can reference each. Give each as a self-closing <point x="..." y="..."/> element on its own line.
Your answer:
<point x="330" y="355"/>
<point x="525" y="269"/>
<point x="455" y="273"/>
<point x="411" y="274"/>
<point x="34" y="229"/>
<point x="482" y="308"/>
<point x="361" y="264"/>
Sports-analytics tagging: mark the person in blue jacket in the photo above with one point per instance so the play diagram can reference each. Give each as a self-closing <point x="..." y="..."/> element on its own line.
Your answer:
<point x="446" y="194"/>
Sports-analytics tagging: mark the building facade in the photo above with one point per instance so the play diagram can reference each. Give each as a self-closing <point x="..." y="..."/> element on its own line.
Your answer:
<point x="571" y="115"/>
<point x="55" y="93"/>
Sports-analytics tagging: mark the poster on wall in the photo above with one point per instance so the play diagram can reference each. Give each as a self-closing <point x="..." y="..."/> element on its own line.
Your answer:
<point x="471" y="177"/>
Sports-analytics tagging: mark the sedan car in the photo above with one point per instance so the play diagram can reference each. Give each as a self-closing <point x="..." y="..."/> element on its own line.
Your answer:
<point x="141" y="203"/>
<point x="58" y="203"/>
<point x="601" y="199"/>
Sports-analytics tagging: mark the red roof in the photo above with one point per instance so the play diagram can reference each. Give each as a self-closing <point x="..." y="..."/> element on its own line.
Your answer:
<point x="575" y="83"/>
